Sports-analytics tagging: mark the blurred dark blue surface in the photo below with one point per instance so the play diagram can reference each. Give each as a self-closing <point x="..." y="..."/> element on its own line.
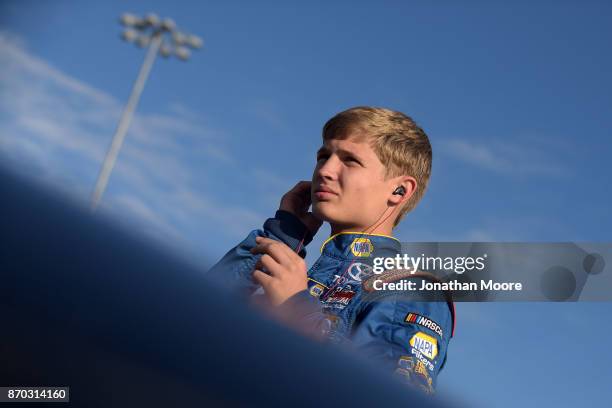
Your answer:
<point x="87" y="305"/>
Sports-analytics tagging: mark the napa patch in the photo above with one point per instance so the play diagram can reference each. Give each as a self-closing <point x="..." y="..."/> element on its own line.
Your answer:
<point x="426" y="344"/>
<point x="362" y="247"/>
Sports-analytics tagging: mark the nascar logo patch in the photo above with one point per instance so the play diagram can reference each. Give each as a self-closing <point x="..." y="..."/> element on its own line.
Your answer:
<point x="425" y="322"/>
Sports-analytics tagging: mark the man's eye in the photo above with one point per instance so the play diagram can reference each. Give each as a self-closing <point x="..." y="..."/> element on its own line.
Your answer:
<point x="322" y="157"/>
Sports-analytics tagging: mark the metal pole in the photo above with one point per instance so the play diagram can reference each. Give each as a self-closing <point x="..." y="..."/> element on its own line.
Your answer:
<point x="124" y="122"/>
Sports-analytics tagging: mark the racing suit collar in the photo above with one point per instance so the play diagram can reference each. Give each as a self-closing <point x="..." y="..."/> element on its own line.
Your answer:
<point x="359" y="245"/>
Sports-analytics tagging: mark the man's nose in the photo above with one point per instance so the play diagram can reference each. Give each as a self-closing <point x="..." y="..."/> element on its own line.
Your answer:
<point x="329" y="169"/>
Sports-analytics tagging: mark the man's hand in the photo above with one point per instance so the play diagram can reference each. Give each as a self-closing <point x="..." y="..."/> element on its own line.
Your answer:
<point x="297" y="201"/>
<point x="286" y="270"/>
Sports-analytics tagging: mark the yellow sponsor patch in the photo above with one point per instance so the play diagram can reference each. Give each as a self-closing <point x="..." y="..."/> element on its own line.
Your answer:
<point x="427" y="345"/>
<point x="362" y="247"/>
<point x="405" y="362"/>
<point x="421" y="370"/>
<point x="316" y="290"/>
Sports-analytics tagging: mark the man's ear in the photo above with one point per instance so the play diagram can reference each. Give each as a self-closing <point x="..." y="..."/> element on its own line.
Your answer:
<point x="404" y="188"/>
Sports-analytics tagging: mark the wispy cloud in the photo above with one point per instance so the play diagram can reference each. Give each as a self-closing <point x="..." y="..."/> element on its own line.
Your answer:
<point x="489" y="228"/>
<point x="14" y="55"/>
<point x="269" y="113"/>
<point x="519" y="157"/>
<point x="56" y="127"/>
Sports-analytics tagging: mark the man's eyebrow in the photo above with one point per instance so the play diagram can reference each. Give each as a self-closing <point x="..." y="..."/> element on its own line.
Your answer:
<point x="322" y="149"/>
<point x="350" y="153"/>
<point x="343" y="152"/>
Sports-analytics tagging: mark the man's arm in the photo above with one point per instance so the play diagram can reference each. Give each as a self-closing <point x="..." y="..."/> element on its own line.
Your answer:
<point x="407" y="332"/>
<point x="234" y="270"/>
<point x="293" y="225"/>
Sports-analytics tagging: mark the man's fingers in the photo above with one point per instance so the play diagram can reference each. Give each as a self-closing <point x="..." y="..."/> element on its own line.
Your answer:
<point x="266" y="262"/>
<point x="262" y="278"/>
<point x="302" y="190"/>
<point x="297" y="200"/>
<point x="279" y="251"/>
<point x="278" y="254"/>
<point x="302" y="186"/>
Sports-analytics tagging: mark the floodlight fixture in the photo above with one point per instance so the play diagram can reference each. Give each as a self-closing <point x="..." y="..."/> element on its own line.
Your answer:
<point x="128" y="20"/>
<point x="161" y="36"/>
<point x="152" y="20"/>
<point x="129" y="35"/>
<point x="182" y="52"/>
<point x="195" y="42"/>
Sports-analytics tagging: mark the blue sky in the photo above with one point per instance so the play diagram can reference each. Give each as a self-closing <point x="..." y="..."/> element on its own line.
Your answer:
<point x="516" y="99"/>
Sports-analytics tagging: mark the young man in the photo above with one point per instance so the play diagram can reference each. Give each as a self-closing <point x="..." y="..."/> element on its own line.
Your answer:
<point x="372" y="169"/>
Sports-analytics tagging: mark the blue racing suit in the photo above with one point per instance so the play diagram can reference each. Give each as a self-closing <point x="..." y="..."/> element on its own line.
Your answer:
<point x="404" y="330"/>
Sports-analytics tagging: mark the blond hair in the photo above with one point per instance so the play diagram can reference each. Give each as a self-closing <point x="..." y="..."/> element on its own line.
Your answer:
<point x="401" y="146"/>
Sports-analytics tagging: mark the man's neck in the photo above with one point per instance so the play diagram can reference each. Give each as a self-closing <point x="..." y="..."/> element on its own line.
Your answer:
<point x="381" y="230"/>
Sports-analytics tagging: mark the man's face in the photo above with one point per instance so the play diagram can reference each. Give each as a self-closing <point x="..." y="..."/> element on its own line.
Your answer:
<point x="348" y="186"/>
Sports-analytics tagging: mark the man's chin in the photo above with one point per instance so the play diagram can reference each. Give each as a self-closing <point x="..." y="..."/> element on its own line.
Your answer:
<point x="325" y="212"/>
<point x="320" y="211"/>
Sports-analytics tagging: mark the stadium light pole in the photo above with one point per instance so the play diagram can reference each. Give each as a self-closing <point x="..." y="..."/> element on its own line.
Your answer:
<point x="161" y="37"/>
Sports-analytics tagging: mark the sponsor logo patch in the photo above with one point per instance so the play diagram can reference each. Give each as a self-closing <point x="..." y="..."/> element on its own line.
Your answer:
<point x="422" y="358"/>
<point x="360" y="271"/>
<point x="316" y="290"/>
<point x="362" y="247"/>
<point x="329" y="324"/>
<point x="343" y="280"/>
<point x="425" y="322"/>
<point x="340" y="297"/>
<point x="426" y="344"/>
<point x="420" y="369"/>
<point x="415" y="372"/>
<point x="405" y="362"/>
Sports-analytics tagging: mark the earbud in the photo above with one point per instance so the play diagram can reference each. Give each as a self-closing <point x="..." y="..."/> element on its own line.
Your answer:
<point x="400" y="191"/>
